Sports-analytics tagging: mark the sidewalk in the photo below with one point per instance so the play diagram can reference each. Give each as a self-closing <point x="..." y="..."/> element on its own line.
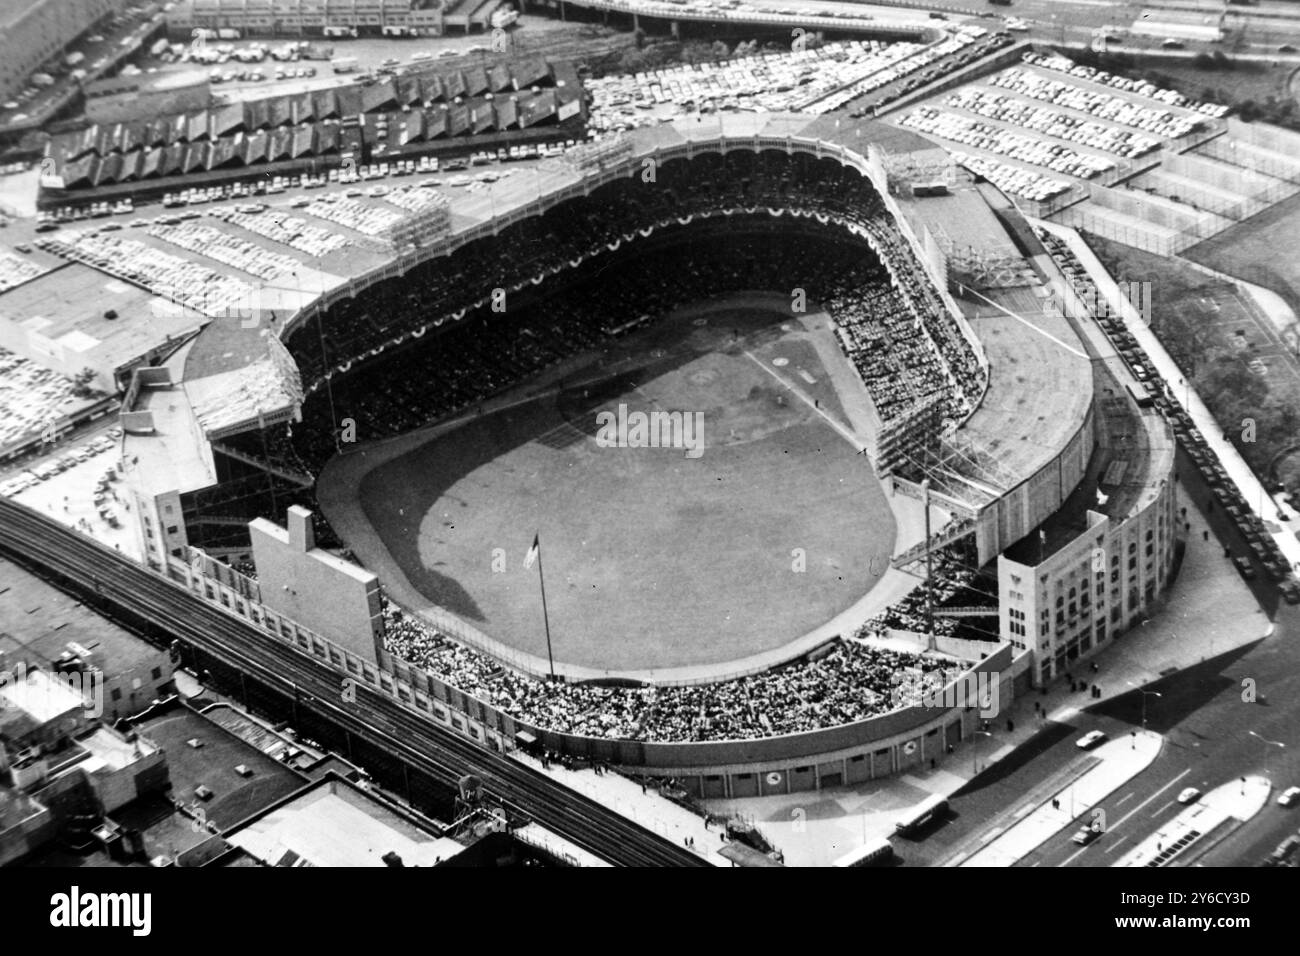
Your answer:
<point x="1240" y="473"/>
<point x="645" y="807"/>
<point x="1232" y="803"/>
<point x="1118" y="761"/>
<point x="1208" y="611"/>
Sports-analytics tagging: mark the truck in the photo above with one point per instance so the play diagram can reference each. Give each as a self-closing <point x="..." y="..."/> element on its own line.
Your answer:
<point x="347" y="64"/>
<point x="341" y="32"/>
<point x="396" y="31"/>
<point x="225" y="33"/>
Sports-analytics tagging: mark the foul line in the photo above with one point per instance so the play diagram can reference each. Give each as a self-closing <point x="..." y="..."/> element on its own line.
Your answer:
<point x="845" y="433"/>
<point x="1023" y="321"/>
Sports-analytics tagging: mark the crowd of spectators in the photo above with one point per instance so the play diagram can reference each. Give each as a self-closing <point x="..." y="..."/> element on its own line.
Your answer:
<point x="951" y="579"/>
<point x="878" y="333"/>
<point x="586" y="232"/>
<point x="855" y="681"/>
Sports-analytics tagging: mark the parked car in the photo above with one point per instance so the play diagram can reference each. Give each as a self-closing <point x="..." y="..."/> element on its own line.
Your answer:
<point x="1090" y="740"/>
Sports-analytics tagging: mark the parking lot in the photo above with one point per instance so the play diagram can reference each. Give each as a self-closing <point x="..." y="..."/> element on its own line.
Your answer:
<point x="812" y="80"/>
<point x="1038" y="129"/>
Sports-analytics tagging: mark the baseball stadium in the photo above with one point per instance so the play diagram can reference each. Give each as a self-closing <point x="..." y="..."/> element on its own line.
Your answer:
<point x="879" y="427"/>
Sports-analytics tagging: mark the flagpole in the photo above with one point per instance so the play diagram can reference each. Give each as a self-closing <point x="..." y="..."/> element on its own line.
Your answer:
<point x="546" y="620"/>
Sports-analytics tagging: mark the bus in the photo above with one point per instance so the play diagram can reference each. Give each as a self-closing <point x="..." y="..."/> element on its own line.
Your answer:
<point x="930" y="808"/>
<point x="1140" y="394"/>
<point x="876" y="852"/>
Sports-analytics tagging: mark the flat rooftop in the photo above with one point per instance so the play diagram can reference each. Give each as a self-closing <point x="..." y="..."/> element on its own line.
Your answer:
<point x="964" y="215"/>
<point x="15" y="807"/>
<point x="176" y="456"/>
<point x="67" y="306"/>
<point x="38" y="622"/>
<point x="235" y="797"/>
<point x="336" y="824"/>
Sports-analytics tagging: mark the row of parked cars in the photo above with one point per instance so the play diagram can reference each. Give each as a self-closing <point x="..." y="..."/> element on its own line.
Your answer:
<point x="1226" y="493"/>
<point x="57" y="466"/>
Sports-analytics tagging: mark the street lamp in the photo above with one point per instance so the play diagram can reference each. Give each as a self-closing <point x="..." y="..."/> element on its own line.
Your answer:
<point x="1271" y="743"/>
<point x="1145" y="694"/>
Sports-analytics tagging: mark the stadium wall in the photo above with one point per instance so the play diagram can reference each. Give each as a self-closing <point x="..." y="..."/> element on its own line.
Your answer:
<point x="1036" y="499"/>
<point x="877" y="747"/>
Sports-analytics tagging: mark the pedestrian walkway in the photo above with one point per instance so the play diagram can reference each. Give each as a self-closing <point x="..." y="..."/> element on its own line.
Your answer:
<point x="1221" y="810"/>
<point x="640" y="805"/>
<point x="1117" y="762"/>
<point x="1207" y="611"/>
<point x="1259" y="500"/>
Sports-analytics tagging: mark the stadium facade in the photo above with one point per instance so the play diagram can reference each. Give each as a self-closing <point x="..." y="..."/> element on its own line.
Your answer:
<point x="1032" y="433"/>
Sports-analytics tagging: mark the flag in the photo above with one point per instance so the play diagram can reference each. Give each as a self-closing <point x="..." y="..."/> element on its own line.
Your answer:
<point x="531" y="557"/>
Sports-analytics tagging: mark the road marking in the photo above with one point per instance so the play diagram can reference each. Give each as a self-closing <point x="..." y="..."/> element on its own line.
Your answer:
<point x="1116" y="824"/>
<point x="1163" y="809"/>
<point x="992" y="834"/>
<point x="1027" y="809"/>
<point x="1116" y="843"/>
<point x="1073" y="856"/>
<point x="1126" y="796"/>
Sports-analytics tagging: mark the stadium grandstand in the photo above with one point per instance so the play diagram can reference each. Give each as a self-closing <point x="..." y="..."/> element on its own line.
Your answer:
<point x="377" y="314"/>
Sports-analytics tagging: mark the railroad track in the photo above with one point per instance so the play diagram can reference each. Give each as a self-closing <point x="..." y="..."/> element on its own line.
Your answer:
<point x="38" y="541"/>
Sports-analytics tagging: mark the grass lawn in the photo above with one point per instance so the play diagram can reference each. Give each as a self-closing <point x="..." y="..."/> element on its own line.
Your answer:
<point x="651" y="559"/>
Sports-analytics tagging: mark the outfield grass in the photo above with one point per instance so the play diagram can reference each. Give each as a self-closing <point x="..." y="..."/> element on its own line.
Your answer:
<point x="652" y="560"/>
